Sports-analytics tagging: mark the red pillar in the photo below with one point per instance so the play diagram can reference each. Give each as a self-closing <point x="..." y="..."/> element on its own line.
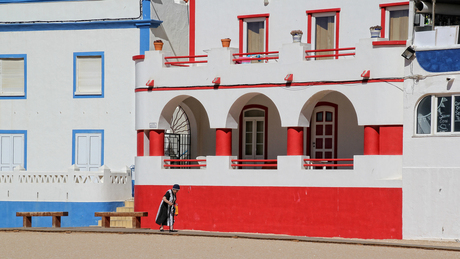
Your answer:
<point x="295" y="141"/>
<point x="223" y="142"/>
<point x="157" y="143"/>
<point x="371" y="140"/>
<point x="391" y="140"/>
<point x="140" y="143"/>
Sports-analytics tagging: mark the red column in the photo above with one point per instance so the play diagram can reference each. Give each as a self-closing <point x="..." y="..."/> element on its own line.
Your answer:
<point x="157" y="143"/>
<point x="223" y="142"/>
<point x="140" y="143"/>
<point x="295" y="141"/>
<point x="371" y="140"/>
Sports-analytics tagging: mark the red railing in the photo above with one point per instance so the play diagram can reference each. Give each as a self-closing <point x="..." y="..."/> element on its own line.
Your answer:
<point x="336" y="55"/>
<point x="326" y="162"/>
<point x="182" y="63"/>
<point x="266" y="163"/>
<point x="183" y="163"/>
<point x="248" y="57"/>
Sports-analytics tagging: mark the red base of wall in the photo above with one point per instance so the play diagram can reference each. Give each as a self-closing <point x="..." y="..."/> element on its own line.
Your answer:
<point x="302" y="211"/>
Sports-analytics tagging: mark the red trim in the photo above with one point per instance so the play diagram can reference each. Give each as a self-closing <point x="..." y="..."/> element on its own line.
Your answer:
<point x="336" y="116"/>
<point x="138" y="57"/>
<point x="308" y="29"/>
<point x="253" y="16"/>
<point x="323" y="10"/>
<point x="223" y="142"/>
<point x="371" y="140"/>
<point x="382" y="22"/>
<point x="347" y="212"/>
<point x="240" y="128"/>
<point x="266" y="34"/>
<point x="265" y="85"/>
<point x="295" y="141"/>
<point x="140" y="143"/>
<point x="337" y="29"/>
<point x="157" y="143"/>
<point x="393" y="4"/>
<point x="192" y="29"/>
<point x="308" y="141"/>
<point x="389" y="42"/>
<point x="241" y="36"/>
<point x="383" y="15"/>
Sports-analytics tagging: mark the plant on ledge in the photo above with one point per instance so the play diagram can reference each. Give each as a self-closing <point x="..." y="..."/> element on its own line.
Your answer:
<point x="296" y="35"/>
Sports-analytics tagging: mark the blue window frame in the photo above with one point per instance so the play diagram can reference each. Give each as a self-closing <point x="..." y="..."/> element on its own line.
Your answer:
<point x="13" y="76"/>
<point x="12" y="151"/>
<point x="88" y="75"/>
<point x="88" y="149"/>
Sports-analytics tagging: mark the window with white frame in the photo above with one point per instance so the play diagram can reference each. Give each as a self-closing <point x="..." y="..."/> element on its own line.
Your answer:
<point x="88" y="149"/>
<point x="12" y="149"/>
<point x="438" y="115"/>
<point x="12" y="76"/>
<point x="89" y="74"/>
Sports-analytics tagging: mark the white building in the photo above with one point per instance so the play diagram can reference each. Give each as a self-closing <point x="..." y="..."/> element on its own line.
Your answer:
<point x="66" y="98"/>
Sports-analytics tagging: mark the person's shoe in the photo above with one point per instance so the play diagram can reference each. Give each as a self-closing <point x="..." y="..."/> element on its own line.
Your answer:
<point x="161" y="229"/>
<point x="172" y="230"/>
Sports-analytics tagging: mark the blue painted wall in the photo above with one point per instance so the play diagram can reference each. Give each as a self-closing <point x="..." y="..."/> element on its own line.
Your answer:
<point x="444" y="60"/>
<point x="81" y="214"/>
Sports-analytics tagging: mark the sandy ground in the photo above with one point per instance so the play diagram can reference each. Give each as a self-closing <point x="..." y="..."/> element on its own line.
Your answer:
<point x="103" y="245"/>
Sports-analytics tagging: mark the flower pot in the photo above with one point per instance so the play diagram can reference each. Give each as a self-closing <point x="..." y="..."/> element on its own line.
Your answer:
<point x="158" y="45"/>
<point x="375" y="33"/>
<point x="297" y="38"/>
<point x="226" y="42"/>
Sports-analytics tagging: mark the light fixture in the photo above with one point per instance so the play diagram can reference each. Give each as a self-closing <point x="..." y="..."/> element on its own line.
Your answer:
<point x="408" y="53"/>
<point x="265" y="2"/>
<point x="216" y="81"/>
<point x="366" y="74"/>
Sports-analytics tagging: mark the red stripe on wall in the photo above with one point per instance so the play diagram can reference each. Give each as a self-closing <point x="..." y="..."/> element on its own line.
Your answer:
<point x="304" y="211"/>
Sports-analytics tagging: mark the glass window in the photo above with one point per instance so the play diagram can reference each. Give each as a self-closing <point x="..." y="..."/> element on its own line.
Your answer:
<point x="444" y="114"/>
<point x="399" y="25"/>
<point x="424" y="116"/>
<point x="12" y="149"/>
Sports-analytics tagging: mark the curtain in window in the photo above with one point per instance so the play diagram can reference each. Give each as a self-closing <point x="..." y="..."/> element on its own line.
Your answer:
<point x="89" y="74"/>
<point x="12" y="76"/>
<point x="325" y="35"/>
<point x="399" y="25"/>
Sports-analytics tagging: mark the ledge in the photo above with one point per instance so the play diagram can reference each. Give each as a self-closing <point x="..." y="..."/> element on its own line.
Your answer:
<point x="389" y="42"/>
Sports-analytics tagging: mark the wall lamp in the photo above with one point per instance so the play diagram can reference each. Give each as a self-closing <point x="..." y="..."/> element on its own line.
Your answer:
<point x="408" y="53"/>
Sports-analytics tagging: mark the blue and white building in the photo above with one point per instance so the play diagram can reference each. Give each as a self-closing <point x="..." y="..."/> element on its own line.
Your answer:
<point x="67" y="102"/>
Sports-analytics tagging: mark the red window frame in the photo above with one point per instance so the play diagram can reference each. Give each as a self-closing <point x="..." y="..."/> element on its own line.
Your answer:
<point x="337" y="24"/>
<point x="241" y="20"/>
<point x="383" y="11"/>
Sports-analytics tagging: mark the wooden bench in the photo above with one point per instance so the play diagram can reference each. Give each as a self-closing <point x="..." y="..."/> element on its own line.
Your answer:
<point x="135" y="215"/>
<point x="27" y="217"/>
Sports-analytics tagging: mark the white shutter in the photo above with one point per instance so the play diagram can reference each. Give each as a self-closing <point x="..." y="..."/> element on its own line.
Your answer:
<point x="89" y="75"/>
<point x="11" y="151"/>
<point x="88" y="151"/>
<point x="12" y="76"/>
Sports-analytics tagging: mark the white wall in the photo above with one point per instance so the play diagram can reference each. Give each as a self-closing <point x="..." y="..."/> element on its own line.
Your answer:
<point x="50" y="113"/>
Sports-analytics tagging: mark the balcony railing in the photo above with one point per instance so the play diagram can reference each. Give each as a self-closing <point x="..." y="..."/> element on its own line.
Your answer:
<point x="184" y="163"/>
<point x="243" y="58"/>
<point x="336" y="55"/>
<point x="327" y="163"/>
<point x="191" y="60"/>
<point x="255" y="163"/>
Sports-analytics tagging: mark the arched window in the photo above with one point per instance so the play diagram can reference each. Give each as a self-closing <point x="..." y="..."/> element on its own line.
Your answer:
<point x="424" y="116"/>
<point x="177" y="137"/>
<point x="253" y="132"/>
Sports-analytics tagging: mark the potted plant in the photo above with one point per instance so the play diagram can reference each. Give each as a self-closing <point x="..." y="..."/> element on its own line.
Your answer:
<point x="226" y="42"/>
<point x="158" y="44"/>
<point x="375" y="31"/>
<point x="296" y="35"/>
